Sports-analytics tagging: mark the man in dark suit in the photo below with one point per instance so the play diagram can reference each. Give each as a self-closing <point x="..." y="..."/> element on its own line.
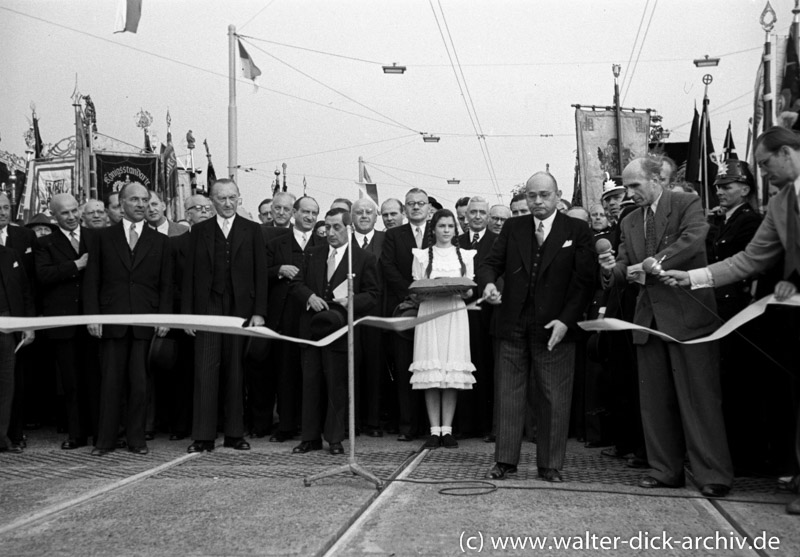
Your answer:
<point x="476" y="405"/>
<point x="129" y="271"/>
<point x="285" y="256"/>
<point x="679" y="384"/>
<point x="322" y="289"/>
<point x="225" y="274"/>
<point x="396" y="259"/>
<point x="22" y="240"/>
<point x="549" y="269"/>
<point x="61" y="259"/>
<point x="371" y="366"/>
<point x="16" y="300"/>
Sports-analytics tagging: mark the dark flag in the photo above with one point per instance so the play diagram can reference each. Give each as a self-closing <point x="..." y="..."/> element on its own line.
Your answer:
<point x="708" y="163"/>
<point x="170" y="165"/>
<point x="211" y="175"/>
<point x="790" y="84"/>
<point x="693" y="154"/>
<point x="729" y="149"/>
<point x="38" y="146"/>
<point x="148" y="147"/>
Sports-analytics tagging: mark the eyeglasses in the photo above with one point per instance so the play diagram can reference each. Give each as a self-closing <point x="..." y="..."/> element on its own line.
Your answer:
<point x="416" y="203"/>
<point x="363" y="212"/>
<point x="542" y="194"/>
<point x="201" y="208"/>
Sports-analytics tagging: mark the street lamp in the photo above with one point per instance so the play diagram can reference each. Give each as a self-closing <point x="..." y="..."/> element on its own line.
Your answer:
<point x="706" y="62"/>
<point x="394" y="69"/>
<point x="430" y="138"/>
<point x="454" y="181"/>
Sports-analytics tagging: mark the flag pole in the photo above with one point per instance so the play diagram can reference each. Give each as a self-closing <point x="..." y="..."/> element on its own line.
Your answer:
<point x="232" y="125"/>
<point x="707" y="79"/>
<point x="767" y="20"/>
<point x="618" y="115"/>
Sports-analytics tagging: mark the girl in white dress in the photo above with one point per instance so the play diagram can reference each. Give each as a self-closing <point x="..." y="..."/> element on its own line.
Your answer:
<point x="442" y="362"/>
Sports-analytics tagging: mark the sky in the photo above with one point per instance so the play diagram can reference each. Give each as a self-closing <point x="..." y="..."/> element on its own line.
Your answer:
<point x="524" y="64"/>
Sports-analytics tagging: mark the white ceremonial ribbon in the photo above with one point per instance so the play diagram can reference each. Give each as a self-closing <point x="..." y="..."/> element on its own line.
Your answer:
<point x="749" y="313"/>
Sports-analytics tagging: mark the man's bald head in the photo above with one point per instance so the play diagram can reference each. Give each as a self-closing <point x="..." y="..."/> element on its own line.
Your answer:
<point x="542" y="194"/>
<point x="64" y="208"/>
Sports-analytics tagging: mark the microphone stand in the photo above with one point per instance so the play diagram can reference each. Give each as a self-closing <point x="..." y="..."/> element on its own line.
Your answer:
<point x="352" y="465"/>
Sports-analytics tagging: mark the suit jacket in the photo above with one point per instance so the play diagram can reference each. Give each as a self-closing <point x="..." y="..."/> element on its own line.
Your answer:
<point x="484" y="248"/>
<point x="60" y="281"/>
<point x="283" y="249"/>
<point x="179" y="247"/>
<point x="248" y="268"/>
<point x="313" y="280"/>
<point x="680" y="232"/>
<point x="375" y="247"/>
<point x="23" y="241"/>
<point x="16" y="284"/>
<point x="564" y="280"/>
<point x="765" y="249"/>
<point x="117" y="281"/>
<point x="396" y="260"/>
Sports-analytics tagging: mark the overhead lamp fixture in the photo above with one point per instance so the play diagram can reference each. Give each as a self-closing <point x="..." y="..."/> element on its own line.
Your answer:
<point x="454" y="181"/>
<point x="706" y="62"/>
<point x="665" y="134"/>
<point x="430" y="138"/>
<point x="394" y="69"/>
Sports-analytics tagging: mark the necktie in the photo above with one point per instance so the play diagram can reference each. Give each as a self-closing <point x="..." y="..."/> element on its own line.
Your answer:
<point x="226" y="227"/>
<point x="331" y="265"/>
<point x="650" y="246"/>
<point x="364" y="245"/>
<point x="3" y="237"/>
<point x="475" y="239"/>
<point x="74" y="241"/>
<point x="540" y="233"/>
<point x="134" y="237"/>
<point x="305" y="241"/>
<point x="418" y="236"/>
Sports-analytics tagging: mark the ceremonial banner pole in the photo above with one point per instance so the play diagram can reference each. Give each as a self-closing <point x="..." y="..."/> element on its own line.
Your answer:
<point x="767" y="20"/>
<point x="352" y="466"/>
<point x="232" y="125"/>
<point x="618" y="114"/>
<point x="707" y="79"/>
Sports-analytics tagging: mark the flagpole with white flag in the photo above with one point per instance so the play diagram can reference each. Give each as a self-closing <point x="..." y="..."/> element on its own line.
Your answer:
<point x="232" y="123"/>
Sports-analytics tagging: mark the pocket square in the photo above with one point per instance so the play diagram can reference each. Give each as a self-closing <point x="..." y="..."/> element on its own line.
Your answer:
<point x="16" y="265"/>
<point x="567" y="244"/>
<point x="29" y="250"/>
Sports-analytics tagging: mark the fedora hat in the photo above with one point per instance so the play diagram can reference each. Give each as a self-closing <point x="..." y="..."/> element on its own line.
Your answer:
<point x="163" y="353"/>
<point x="327" y="321"/>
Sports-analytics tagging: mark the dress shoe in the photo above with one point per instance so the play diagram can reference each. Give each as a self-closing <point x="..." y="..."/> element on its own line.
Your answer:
<point x="149" y="435"/>
<point x="236" y="443"/>
<point x="336" y="448"/>
<point x="281" y="436"/>
<point x="405" y="437"/>
<point x="449" y="442"/>
<point x="177" y="436"/>
<point x="139" y="450"/>
<point x="14" y="449"/>
<point x="491" y="438"/>
<point x="715" y="490"/>
<point x="71" y="444"/>
<point x="432" y="442"/>
<point x="200" y="446"/>
<point x="550" y="475"/>
<point x="308" y="446"/>
<point x="121" y="444"/>
<point x="500" y="470"/>
<point x="101" y="452"/>
<point x="649" y="482"/>
<point x="259" y="434"/>
<point x="612" y="452"/>
<point x="22" y="442"/>
<point x="594" y="444"/>
<point x="375" y="432"/>
<point x="793" y="507"/>
<point x="637" y="462"/>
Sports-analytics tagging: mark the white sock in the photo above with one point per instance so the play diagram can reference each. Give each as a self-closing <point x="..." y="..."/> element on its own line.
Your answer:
<point x="436" y="430"/>
<point x="447" y="430"/>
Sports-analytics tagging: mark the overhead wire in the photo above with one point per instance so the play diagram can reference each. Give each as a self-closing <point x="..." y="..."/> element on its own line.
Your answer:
<point x="323" y="84"/>
<point x="257" y="14"/>
<point x="641" y="46"/>
<point x="313" y="50"/>
<point x="635" y="41"/>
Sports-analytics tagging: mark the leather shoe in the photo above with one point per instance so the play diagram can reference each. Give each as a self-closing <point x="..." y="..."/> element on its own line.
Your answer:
<point x="715" y="490"/>
<point x="336" y="448"/>
<point x="649" y="482"/>
<point x="14" y="449"/>
<point x="280" y="437"/>
<point x="432" y="442"/>
<point x="550" y="475"/>
<point x="449" y="442"/>
<point x="612" y="452"/>
<point x="637" y="462"/>
<point x="177" y="436"/>
<point x="121" y="444"/>
<point x="149" y="435"/>
<point x="595" y="444"/>
<point x="71" y="444"/>
<point x="500" y="470"/>
<point x="793" y="507"/>
<point x="236" y="443"/>
<point x="139" y="450"/>
<point x="308" y="446"/>
<point x="491" y="438"/>
<point x="374" y="432"/>
<point x="101" y="452"/>
<point x="200" y="447"/>
<point x="405" y="437"/>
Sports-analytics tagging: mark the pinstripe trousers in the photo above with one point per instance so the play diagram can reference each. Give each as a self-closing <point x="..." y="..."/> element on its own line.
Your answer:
<point x="218" y="360"/>
<point x="7" y="359"/>
<point x="521" y="360"/>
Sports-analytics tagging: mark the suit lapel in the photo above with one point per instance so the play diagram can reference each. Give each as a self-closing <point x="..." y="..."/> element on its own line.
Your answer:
<point x="635" y="238"/>
<point x="119" y="238"/>
<point x="62" y="244"/>
<point x="662" y="215"/>
<point x="143" y="245"/>
<point x="340" y="273"/>
<point x="208" y="235"/>
<point x="524" y="240"/>
<point x="555" y="240"/>
<point x="237" y="231"/>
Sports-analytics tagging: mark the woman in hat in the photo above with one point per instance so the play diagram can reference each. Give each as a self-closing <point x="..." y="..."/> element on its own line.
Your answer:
<point x="442" y="363"/>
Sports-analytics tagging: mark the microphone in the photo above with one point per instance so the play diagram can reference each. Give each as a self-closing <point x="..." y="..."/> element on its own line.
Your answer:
<point x="603" y="246"/>
<point x="651" y="266"/>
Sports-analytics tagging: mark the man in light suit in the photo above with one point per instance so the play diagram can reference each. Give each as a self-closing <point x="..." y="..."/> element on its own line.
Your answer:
<point x="679" y="384"/>
<point x="778" y="236"/>
<point x="225" y="274"/>
<point x="61" y="259"/>
<point x="129" y="271"/>
<point x="321" y="288"/>
<point x="548" y="264"/>
<point x="371" y="366"/>
<point x="157" y="219"/>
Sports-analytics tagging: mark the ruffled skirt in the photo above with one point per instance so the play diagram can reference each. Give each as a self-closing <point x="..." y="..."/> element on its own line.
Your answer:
<point x="441" y="347"/>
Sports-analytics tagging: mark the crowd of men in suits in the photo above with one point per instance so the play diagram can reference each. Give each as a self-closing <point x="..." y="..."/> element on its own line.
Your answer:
<point x="539" y="377"/>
